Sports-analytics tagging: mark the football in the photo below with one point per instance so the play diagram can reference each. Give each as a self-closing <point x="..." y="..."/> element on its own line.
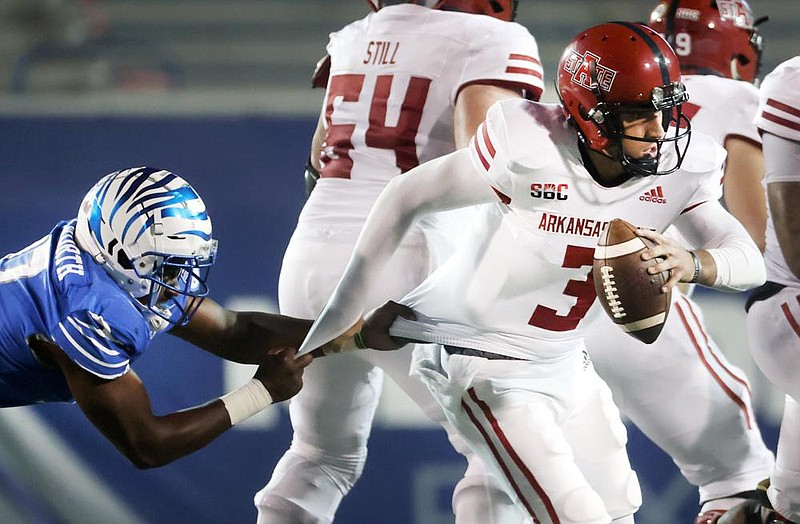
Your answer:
<point x="630" y="296"/>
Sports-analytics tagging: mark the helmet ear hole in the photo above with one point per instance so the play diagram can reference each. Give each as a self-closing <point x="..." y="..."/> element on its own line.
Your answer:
<point x="123" y="260"/>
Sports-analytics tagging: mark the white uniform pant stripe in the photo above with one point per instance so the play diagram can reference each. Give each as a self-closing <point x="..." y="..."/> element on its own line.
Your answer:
<point x="516" y="471"/>
<point x="700" y="340"/>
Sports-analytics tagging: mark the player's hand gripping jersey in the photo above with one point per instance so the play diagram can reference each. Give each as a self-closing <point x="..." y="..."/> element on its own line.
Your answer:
<point x="524" y="272"/>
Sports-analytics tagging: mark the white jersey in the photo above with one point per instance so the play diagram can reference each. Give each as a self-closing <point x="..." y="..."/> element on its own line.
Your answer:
<point x="779" y="114"/>
<point x="711" y="96"/>
<point x="525" y="271"/>
<point x="381" y="66"/>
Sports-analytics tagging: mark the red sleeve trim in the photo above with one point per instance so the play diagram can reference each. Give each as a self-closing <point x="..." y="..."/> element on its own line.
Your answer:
<point x="783" y="107"/>
<point x="489" y="145"/>
<point x="692" y="207"/>
<point x="524" y="71"/>
<point x="503" y="198"/>
<point x="780" y="121"/>
<point x="526" y="58"/>
<point x="482" y="158"/>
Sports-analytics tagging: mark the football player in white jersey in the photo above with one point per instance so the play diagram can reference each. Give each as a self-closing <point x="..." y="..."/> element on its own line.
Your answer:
<point x="83" y="303"/>
<point x="773" y="318"/>
<point x="718" y="47"/>
<point x="508" y="311"/>
<point x="406" y="84"/>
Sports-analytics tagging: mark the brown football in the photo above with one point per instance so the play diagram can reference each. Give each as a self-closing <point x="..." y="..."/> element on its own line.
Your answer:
<point x="630" y="296"/>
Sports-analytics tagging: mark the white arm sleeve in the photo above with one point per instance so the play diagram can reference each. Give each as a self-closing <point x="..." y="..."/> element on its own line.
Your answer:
<point x="740" y="265"/>
<point x="448" y="182"/>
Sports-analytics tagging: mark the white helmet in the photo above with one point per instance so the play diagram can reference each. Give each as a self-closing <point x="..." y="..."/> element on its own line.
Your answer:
<point x="149" y="230"/>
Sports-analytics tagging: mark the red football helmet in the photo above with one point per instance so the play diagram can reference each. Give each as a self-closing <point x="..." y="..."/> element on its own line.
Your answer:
<point x="623" y="67"/>
<point x="711" y="36"/>
<point x="502" y="9"/>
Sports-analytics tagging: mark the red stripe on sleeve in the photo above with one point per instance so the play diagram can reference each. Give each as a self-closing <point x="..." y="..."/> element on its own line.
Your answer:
<point x="526" y="58"/>
<point x="524" y="71"/>
<point x="503" y="198"/>
<point x="783" y="107"/>
<point x="780" y="121"/>
<point x="480" y="154"/>
<point x="692" y="207"/>
<point x="489" y="145"/>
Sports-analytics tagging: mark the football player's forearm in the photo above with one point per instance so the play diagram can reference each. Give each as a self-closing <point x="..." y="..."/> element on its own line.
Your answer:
<point x="729" y="258"/>
<point x="784" y="198"/>
<point x="743" y="192"/>
<point x="168" y="438"/>
<point x="241" y="336"/>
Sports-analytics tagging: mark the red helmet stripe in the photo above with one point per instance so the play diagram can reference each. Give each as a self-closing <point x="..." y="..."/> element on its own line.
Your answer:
<point x="662" y="62"/>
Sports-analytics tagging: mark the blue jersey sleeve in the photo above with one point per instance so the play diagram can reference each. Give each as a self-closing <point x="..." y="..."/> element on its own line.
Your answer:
<point x="93" y="344"/>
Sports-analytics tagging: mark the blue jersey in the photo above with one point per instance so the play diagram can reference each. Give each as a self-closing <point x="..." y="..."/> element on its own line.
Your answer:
<point x="55" y="289"/>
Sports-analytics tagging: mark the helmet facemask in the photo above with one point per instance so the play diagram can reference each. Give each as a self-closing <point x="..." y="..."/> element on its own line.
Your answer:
<point x="177" y="285"/>
<point x="607" y="117"/>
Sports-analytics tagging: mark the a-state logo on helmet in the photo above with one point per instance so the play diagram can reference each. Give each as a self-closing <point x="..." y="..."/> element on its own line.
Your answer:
<point x="622" y="67"/>
<point x="150" y="231"/>
<point x="712" y="36"/>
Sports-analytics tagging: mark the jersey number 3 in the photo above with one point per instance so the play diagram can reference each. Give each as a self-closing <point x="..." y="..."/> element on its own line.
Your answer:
<point x="400" y="138"/>
<point x="583" y="290"/>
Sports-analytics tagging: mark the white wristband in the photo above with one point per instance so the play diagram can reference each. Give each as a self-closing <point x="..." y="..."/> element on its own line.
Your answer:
<point x="246" y="401"/>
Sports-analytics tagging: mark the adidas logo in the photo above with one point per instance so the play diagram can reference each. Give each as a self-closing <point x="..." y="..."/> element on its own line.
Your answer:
<point x="655" y="195"/>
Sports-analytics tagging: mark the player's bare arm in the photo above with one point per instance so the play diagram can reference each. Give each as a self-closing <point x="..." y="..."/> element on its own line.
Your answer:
<point x="471" y="105"/>
<point x="120" y="408"/>
<point x="742" y="190"/>
<point x="316" y="145"/>
<point x="241" y="336"/>
<point x="783" y="197"/>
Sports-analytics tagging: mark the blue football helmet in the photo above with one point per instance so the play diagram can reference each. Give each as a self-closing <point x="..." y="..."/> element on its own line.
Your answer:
<point x="149" y="229"/>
